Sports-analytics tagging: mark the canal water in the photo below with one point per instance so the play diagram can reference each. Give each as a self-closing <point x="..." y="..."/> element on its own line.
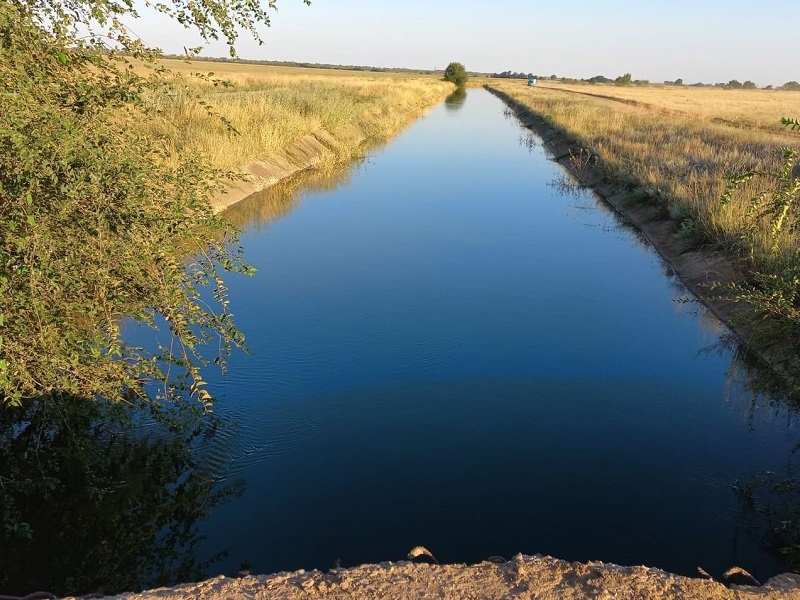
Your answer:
<point x="451" y="345"/>
<point x="454" y="346"/>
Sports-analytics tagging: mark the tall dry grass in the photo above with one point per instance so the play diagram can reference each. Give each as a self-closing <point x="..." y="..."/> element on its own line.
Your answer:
<point x="678" y="143"/>
<point x="748" y="109"/>
<point x="270" y="108"/>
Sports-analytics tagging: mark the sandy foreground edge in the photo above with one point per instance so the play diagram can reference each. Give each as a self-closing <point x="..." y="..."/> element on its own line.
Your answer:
<point x="540" y="577"/>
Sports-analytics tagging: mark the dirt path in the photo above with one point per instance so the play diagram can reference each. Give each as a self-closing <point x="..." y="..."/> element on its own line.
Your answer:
<point x="539" y="577"/>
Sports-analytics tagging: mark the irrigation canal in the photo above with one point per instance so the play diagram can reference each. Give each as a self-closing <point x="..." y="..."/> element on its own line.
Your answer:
<point x="454" y="346"/>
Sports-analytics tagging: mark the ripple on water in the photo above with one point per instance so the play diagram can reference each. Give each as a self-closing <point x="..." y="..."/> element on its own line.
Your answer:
<point x="244" y="439"/>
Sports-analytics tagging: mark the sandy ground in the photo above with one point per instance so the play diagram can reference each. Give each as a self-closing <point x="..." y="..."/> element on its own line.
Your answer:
<point x="543" y="578"/>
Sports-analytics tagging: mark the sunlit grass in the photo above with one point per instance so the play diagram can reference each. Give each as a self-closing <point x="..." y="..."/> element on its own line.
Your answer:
<point x="679" y="142"/>
<point x="744" y="108"/>
<point x="270" y="108"/>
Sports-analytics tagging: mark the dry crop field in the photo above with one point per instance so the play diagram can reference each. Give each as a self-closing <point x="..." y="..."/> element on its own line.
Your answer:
<point x="272" y="107"/>
<point x="743" y="108"/>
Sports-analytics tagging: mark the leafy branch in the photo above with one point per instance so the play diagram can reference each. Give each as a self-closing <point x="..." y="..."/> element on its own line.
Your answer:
<point x="99" y="215"/>
<point x="772" y="297"/>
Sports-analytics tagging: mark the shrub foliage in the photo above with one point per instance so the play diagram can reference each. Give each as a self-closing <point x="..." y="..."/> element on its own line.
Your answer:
<point x="97" y="218"/>
<point x="456" y="73"/>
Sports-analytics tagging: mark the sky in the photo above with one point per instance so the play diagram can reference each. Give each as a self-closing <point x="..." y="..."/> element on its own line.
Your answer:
<point x="695" y="40"/>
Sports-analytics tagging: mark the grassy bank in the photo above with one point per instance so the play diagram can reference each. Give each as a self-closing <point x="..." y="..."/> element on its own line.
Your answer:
<point x="271" y="108"/>
<point x="680" y="156"/>
<point x="675" y="146"/>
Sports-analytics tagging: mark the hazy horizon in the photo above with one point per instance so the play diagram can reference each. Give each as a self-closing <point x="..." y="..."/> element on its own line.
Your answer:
<point x="713" y="42"/>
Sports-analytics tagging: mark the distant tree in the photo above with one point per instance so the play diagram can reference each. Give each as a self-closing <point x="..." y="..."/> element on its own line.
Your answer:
<point x="734" y="84"/>
<point x="623" y="79"/>
<point x="749" y="85"/>
<point x="600" y="79"/>
<point x="791" y="85"/>
<point x="510" y="75"/>
<point x="679" y="81"/>
<point x="641" y="82"/>
<point x="456" y="73"/>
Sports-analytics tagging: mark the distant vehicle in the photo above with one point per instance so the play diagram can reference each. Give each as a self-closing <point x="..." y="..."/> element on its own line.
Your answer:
<point x="531" y="80"/>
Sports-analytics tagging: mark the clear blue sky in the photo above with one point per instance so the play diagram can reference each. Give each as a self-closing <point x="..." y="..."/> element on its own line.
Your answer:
<point x="696" y="40"/>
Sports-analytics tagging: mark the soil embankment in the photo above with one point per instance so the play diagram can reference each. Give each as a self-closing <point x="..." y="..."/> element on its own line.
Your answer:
<point x="540" y="577"/>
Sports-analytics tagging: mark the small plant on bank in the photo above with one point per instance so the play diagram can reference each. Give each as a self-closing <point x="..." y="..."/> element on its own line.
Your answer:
<point x="773" y="292"/>
<point x="456" y="73"/>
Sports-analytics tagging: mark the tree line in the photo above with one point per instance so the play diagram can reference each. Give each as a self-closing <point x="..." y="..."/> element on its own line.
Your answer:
<point x="627" y="79"/>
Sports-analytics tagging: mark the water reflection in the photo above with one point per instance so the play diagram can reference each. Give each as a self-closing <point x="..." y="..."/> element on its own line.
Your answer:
<point x="92" y="502"/>
<point x="531" y="141"/>
<point x="260" y="209"/>
<point x="770" y="503"/>
<point x="769" y="513"/>
<point x="456" y="100"/>
<point x="564" y="183"/>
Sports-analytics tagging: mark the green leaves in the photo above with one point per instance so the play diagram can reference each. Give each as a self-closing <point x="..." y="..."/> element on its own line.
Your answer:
<point x="773" y="205"/>
<point x="456" y="73"/>
<point x="793" y="124"/>
<point x="771" y="295"/>
<point x="97" y="220"/>
<point x="625" y="79"/>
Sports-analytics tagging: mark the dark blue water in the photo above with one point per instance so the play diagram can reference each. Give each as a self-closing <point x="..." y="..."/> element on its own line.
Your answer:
<point x="454" y="349"/>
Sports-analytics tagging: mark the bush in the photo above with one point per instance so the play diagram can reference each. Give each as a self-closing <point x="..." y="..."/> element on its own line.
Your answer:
<point x="98" y="218"/>
<point x="456" y="73"/>
<point x="623" y="79"/>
